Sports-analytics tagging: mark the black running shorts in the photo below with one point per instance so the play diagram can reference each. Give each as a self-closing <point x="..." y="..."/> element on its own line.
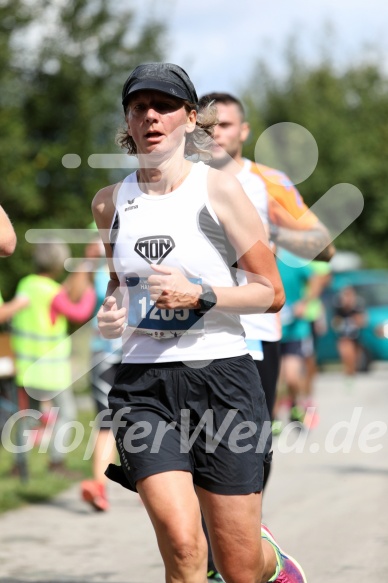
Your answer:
<point x="210" y="420"/>
<point x="268" y="369"/>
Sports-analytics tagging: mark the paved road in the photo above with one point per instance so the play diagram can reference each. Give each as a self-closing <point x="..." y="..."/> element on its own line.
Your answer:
<point x="329" y="508"/>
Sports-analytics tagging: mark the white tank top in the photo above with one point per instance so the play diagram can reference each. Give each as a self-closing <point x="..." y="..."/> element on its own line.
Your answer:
<point x="178" y="229"/>
<point x="257" y="326"/>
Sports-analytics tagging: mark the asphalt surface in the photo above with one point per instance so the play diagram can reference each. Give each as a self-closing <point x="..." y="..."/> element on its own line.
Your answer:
<point x="327" y="503"/>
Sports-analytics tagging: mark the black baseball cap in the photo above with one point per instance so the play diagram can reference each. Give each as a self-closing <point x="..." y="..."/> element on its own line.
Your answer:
<point x="165" y="77"/>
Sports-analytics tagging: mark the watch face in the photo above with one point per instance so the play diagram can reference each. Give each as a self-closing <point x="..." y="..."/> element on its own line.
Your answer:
<point x="208" y="300"/>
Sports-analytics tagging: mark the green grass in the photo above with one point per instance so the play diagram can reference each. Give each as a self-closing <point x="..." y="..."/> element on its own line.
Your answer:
<point x="42" y="484"/>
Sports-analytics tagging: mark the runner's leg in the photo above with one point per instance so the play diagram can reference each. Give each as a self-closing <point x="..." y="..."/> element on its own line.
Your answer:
<point x="234" y="527"/>
<point x="173" y="507"/>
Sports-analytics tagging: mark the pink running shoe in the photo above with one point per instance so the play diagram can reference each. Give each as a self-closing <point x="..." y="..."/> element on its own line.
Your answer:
<point x="94" y="493"/>
<point x="289" y="570"/>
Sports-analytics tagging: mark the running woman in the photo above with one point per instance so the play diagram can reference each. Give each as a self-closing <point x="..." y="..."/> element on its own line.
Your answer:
<point x="175" y="228"/>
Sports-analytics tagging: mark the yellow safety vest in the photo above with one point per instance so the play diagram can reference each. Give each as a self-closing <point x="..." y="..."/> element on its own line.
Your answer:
<point x="42" y="349"/>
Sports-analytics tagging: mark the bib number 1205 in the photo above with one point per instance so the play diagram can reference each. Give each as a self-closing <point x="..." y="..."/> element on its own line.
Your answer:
<point x="160" y="323"/>
<point x="148" y="308"/>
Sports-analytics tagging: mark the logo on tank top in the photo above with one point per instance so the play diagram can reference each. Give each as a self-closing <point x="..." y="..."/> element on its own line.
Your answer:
<point x="131" y="205"/>
<point x="155" y="248"/>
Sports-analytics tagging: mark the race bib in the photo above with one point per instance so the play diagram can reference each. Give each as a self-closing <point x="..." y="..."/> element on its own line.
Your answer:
<point x="145" y="318"/>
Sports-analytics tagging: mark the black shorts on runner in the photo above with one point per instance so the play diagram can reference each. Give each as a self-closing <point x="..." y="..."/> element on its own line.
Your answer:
<point x="209" y="420"/>
<point x="268" y="369"/>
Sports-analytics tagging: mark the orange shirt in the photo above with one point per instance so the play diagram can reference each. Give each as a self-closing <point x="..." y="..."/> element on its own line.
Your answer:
<point x="286" y="207"/>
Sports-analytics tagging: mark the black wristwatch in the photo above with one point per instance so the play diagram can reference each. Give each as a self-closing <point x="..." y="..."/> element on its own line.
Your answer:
<point x="207" y="300"/>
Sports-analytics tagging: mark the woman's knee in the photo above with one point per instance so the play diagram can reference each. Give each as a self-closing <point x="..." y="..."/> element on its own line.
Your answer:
<point x="189" y="550"/>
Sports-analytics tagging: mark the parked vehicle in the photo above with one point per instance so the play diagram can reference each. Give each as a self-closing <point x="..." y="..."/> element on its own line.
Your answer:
<point x="372" y="287"/>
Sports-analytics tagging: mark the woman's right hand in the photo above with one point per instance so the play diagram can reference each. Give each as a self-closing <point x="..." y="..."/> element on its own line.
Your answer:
<point x="112" y="321"/>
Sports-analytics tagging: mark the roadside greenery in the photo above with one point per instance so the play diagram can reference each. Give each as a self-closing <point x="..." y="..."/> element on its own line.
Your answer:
<point x="41" y="485"/>
<point x="347" y="113"/>
<point x="62" y="67"/>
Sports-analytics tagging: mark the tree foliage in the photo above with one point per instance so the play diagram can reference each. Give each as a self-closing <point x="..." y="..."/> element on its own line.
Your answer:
<point x="347" y="113"/>
<point x="62" y="67"/>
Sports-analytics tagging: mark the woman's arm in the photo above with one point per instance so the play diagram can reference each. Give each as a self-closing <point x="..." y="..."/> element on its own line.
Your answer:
<point x="170" y="289"/>
<point x="244" y="229"/>
<point x="111" y="318"/>
<point x="103" y="209"/>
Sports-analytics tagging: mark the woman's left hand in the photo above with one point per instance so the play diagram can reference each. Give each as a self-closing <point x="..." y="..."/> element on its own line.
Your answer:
<point x="170" y="289"/>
